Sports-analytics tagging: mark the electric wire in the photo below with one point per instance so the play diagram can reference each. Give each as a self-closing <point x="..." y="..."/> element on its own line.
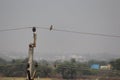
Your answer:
<point x="85" y="33"/>
<point x="13" y="29"/>
<point x="63" y="30"/>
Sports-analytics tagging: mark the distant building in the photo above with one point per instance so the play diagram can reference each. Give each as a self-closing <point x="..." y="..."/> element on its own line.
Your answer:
<point x="105" y="67"/>
<point x="95" y="66"/>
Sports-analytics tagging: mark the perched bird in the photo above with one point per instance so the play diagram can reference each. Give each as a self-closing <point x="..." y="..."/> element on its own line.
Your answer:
<point x="51" y="27"/>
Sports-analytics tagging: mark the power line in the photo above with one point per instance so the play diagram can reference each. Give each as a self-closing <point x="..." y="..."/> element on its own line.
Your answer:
<point x="19" y="28"/>
<point x="13" y="29"/>
<point x="62" y="30"/>
<point x="85" y="33"/>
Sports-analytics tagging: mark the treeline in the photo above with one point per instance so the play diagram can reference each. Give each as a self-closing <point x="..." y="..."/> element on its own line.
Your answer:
<point x="65" y="69"/>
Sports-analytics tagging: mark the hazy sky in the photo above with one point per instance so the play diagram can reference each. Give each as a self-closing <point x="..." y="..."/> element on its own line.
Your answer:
<point x="94" y="16"/>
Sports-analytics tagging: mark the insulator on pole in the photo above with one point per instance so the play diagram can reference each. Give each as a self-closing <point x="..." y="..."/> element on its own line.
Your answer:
<point x="34" y="29"/>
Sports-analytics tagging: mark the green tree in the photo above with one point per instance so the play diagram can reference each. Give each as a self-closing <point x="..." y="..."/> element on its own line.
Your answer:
<point x="2" y="61"/>
<point x="115" y="64"/>
<point x="68" y="69"/>
<point x="44" y="69"/>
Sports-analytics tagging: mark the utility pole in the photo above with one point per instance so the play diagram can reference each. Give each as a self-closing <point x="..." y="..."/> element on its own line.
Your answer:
<point x="30" y="67"/>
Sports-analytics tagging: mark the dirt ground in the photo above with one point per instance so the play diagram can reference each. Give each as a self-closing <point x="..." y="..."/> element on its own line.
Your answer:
<point x="85" y="78"/>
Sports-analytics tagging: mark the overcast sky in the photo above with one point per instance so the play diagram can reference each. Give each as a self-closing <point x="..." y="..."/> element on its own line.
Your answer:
<point x="93" y="16"/>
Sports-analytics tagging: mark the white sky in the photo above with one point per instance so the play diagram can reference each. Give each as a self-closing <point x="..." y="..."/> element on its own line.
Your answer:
<point x="96" y="16"/>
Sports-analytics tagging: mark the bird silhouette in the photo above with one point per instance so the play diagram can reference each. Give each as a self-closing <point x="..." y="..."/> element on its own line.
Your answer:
<point x="51" y="27"/>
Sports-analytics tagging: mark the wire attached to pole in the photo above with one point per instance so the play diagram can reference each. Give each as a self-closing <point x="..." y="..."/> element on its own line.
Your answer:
<point x="14" y="29"/>
<point x="63" y="30"/>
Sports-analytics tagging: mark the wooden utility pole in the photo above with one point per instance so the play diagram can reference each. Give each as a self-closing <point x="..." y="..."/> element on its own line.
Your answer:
<point x="30" y="67"/>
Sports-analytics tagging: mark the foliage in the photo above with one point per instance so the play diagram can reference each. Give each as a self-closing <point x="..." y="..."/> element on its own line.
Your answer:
<point x="13" y="68"/>
<point x="115" y="64"/>
<point x="44" y="71"/>
<point x="2" y="61"/>
<point x="66" y="69"/>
